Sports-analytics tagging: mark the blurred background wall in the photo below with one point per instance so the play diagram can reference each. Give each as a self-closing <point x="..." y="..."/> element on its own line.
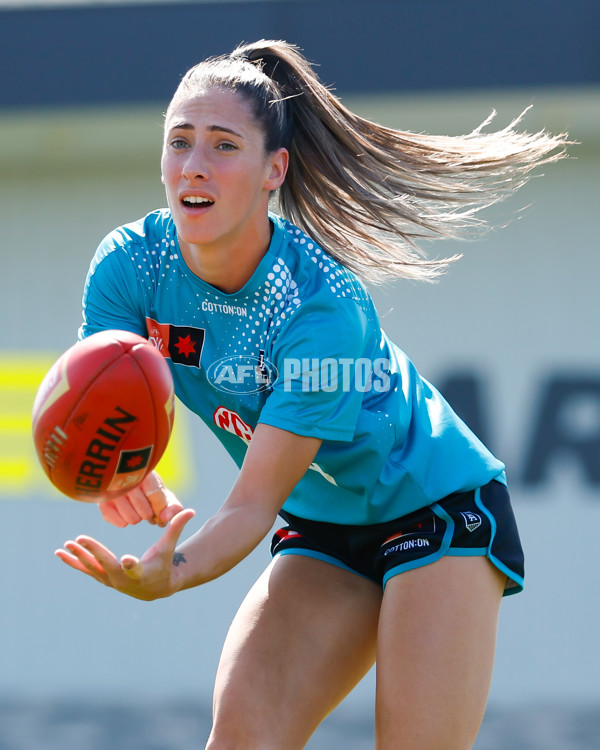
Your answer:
<point x="510" y="334"/>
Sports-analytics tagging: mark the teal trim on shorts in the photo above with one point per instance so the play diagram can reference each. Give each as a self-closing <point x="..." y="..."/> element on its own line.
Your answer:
<point x="422" y="561"/>
<point x="467" y="551"/>
<point x="520" y="582"/>
<point x="320" y="556"/>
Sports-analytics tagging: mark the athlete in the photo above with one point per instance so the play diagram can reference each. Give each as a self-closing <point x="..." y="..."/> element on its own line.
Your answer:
<point x="399" y="539"/>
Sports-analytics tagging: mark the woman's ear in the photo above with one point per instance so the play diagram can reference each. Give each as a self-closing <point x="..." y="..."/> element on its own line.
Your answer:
<point x="278" y="166"/>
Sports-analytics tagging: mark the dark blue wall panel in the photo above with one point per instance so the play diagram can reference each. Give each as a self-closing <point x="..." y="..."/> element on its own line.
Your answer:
<point x="137" y="53"/>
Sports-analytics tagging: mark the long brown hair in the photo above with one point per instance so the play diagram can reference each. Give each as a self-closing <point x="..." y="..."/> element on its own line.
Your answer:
<point x="365" y="192"/>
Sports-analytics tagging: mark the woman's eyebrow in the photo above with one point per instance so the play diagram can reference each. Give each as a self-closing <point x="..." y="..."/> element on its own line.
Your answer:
<point x="224" y="129"/>
<point x="210" y="128"/>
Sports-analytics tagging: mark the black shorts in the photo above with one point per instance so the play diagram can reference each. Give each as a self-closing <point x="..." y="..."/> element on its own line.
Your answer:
<point x="478" y="522"/>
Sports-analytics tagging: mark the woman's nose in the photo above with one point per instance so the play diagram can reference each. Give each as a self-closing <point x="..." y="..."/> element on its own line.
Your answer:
<point x="195" y="166"/>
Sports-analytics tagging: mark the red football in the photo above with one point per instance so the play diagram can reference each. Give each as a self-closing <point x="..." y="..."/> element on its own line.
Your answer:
<point x="103" y="415"/>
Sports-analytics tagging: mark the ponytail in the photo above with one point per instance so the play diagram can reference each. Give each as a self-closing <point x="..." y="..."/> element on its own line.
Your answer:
<point x="365" y="192"/>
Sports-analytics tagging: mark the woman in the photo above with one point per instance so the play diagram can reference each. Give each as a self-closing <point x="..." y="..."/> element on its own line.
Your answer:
<point x="399" y="540"/>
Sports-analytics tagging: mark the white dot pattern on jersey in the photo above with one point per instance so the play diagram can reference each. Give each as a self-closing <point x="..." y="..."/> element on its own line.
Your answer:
<point x="340" y="281"/>
<point x="159" y="263"/>
<point x="276" y="300"/>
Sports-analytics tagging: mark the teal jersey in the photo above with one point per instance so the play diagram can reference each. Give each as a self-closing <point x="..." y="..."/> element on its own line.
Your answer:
<point x="299" y="347"/>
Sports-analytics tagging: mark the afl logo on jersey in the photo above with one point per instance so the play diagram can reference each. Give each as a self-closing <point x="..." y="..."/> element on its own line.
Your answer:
<point x="242" y="373"/>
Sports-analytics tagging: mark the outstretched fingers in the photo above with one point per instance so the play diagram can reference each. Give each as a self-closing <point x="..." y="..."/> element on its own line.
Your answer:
<point x="147" y="578"/>
<point x="77" y="556"/>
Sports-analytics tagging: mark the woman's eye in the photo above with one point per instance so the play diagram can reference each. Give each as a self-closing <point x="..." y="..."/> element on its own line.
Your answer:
<point x="227" y="146"/>
<point x="178" y="143"/>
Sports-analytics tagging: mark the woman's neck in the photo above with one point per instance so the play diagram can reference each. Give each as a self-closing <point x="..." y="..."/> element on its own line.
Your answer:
<point x="228" y="265"/>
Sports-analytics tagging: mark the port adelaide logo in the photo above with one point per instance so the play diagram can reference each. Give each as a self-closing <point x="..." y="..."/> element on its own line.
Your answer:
<point x="242" y="373"/>
<point x="472" y="520"/>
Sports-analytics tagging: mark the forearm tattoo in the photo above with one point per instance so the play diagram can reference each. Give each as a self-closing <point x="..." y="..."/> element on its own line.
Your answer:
<point x="178" y="558"/>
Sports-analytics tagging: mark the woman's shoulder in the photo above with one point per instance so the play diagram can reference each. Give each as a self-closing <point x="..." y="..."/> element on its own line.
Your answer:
<point x="324" y="295"/>
<point x="155" y="230"/>
<point x="320" y="275"/>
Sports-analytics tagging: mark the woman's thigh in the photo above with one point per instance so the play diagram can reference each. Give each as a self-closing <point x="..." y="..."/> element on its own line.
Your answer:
<point x="303" y="637"/>
<point x="436" y="644"/>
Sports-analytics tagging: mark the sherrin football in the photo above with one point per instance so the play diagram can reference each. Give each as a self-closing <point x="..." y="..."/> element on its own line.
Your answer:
<point x="103" y="416"/>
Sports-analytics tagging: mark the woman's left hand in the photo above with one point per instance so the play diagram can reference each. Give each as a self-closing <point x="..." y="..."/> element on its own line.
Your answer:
<point x="150" y="501"/>
<point x="154" y="576"/>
